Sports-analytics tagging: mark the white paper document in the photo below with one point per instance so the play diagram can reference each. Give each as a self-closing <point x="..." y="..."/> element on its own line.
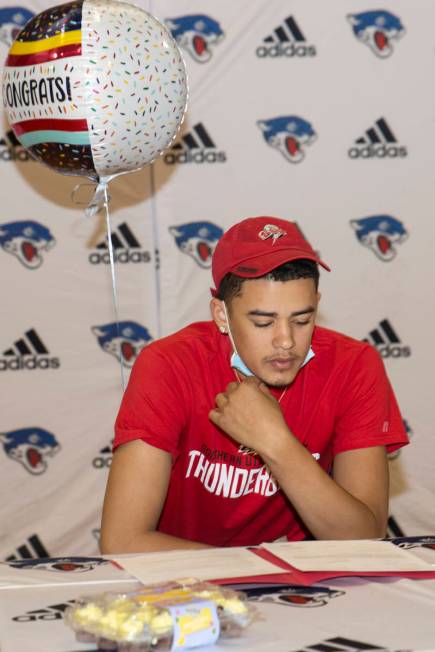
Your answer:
<point x="207" y="564"/>
<point x="358" y="556"/>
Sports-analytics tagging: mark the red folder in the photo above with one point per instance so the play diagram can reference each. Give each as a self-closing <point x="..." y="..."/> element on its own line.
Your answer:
<point x="292" y="575"/>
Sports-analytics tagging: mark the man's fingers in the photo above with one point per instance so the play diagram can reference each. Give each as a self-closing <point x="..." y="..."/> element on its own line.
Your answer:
<point x="214" y="416"/>
<point x="221" y="400"/>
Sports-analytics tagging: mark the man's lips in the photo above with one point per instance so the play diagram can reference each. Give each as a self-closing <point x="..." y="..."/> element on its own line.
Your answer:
<point x="282" y="364"/>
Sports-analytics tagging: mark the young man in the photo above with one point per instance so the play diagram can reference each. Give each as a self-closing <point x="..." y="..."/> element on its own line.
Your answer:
<point x="256" y="425"/>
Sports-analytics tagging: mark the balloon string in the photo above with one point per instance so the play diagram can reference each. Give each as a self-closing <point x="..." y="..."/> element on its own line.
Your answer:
<point x="103" y="186"/>
<point x="155" y="229"/>
<point x="100" y="196"/>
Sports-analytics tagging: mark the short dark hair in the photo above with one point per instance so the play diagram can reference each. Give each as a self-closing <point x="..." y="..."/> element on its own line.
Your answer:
<point x="231" y="284"/>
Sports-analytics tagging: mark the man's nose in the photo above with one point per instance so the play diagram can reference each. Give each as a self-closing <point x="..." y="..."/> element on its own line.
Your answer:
<point x="283" y="337"/>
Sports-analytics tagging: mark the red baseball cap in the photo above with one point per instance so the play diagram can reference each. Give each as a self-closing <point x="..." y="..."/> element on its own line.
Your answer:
<point x="255" y="246"/>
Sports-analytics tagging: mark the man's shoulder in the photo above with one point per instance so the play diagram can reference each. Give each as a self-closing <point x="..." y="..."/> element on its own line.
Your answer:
<point x="194" y="339"/>
<point x="180" y="354"/>
<point x="341" y="359"/>
<point x="338" y="346"/>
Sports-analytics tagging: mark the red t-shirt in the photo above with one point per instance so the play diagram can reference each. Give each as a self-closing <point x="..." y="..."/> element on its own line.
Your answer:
<point x="340" y="400"/>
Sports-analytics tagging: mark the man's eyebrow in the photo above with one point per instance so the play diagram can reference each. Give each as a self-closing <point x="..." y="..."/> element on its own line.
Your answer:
<point x="297" y="313"/>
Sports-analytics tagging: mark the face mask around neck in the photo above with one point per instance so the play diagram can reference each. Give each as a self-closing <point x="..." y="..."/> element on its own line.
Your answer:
<point x="236" y="362"/>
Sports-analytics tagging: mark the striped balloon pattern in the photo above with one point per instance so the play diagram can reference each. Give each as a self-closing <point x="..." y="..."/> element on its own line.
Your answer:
<point x="95" y="88"/>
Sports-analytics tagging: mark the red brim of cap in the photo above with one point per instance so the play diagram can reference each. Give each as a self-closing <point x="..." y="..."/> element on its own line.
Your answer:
<point x="261" y="265"/>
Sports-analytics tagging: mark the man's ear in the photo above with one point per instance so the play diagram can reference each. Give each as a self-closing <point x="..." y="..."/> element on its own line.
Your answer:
<point x="218" y="314"/>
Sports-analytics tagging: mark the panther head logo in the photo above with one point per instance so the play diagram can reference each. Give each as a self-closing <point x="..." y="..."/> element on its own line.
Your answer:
<point x="381" y="234"/>
<point x="31" y="447"/>
<point x="377" y="29"/>
<point x="198" y="34"/>
<point x="289" y="135"/>
<point x="12" y="21"/>
<point x="415" y="542"/>
<point x="290" y="595"/>
<point x="198" y="240"/>
<point x="26" y="241"/>
<point x="59" y="564"/>
<point x="124" y="340"/>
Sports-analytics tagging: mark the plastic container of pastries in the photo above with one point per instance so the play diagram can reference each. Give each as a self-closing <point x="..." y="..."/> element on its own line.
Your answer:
<point x="195" y="613"/>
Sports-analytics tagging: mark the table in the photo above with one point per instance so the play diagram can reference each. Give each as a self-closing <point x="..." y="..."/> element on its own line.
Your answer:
<point x="341" y="615"/>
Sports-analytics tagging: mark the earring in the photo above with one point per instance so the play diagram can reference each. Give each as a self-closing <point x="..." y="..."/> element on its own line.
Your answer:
<point x="222" y="329"/>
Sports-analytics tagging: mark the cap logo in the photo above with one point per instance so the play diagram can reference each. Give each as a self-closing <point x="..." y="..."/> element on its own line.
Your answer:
<point x="271" y="231"/>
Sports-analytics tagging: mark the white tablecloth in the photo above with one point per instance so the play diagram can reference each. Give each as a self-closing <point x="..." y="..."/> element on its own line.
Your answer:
<point x="341" y="615"/>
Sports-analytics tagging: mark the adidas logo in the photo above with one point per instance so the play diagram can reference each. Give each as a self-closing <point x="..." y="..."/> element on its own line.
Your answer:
<point x="195" y="147"/>
<point x="12" y="150"/>
<point x="104" y="459"/>
<point x="286" y="40"/>
<point x="409" y="430"/>
<point x="340" y="644"/>
<point x="96" y="533"/>
<point x="393" y="528"/>
<point x="29" y="352"/>
<point x="377" y="142"/>
<point x="395" y="454"/>
<point x="126" y="248"/>
<point x="32" y="549"/>
<point x="52" y="612"/>
<point x="386" y="340"/>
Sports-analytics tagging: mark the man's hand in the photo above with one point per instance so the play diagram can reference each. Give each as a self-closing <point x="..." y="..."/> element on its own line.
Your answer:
<point x="352" y="504"/>
<point x="249" y="413"/>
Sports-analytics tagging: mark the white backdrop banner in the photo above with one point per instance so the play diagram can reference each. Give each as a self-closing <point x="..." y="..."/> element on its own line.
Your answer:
<point x="316" y="112"/>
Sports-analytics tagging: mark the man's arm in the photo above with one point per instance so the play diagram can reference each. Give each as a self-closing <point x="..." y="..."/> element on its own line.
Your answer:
<point x="135" y="494"/>
<point x="351" y="505"/>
